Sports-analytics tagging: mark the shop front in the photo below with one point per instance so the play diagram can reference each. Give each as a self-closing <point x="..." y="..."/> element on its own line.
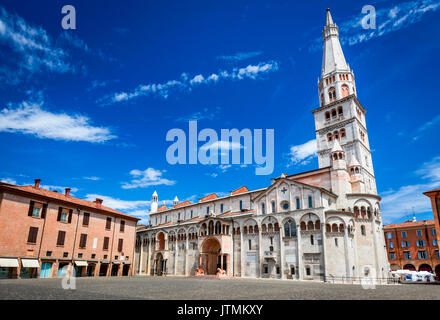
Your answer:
<point x="8" y="268"/>
<point x="29" y="268"/>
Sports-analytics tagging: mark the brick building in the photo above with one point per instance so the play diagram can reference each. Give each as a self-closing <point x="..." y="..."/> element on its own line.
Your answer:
<point x="44" y="233"/>
<point x="413" y="245"/>
<point x="434" y="196"/>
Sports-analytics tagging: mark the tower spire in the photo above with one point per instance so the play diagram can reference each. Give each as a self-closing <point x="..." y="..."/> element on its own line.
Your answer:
<point x="333" y="58"/>
<point x="328" y="19"/>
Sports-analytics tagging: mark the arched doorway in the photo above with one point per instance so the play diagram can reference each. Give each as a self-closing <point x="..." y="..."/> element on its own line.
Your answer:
<point x="160" y="265"/>
<point x="409" y="267"/>
<point x="161" y="239"/>
<point x="437" y="270"/>
<point x="425" y="267"/>
<point x="211" y="260"/>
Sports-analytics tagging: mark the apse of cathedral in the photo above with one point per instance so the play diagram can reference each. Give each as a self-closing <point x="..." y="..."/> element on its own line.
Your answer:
<point x="324" y="223"/>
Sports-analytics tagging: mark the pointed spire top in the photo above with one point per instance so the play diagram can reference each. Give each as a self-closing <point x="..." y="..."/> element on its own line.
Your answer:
<point x="354" y="162"/>
<point x="154" y="193"/>
<point x="336" y="146"/>
<point x="176" y="199"/>
<point x="328" y="19"/>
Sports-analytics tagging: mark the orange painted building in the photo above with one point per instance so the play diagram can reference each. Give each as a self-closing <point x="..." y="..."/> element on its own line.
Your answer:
<point x="413" y="245"/>
<point x="434" y="196"/>
<point x="44" y="233"/>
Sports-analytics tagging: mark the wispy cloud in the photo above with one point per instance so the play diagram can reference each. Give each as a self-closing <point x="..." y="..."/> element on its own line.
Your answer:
<point x="388" y="20"/>
<point x="206" y="114"/>
<point x="92" y="178"/>
<point x="34" y="49"/>
<point x="31" y="118"/>
<point x="239" y="56"/>
<point x="303" y="153"/>
<point x="410" y="198"/>
<point x="8" y="180"/>
<point x="146" y="178"/>
<point x="426" y="126"/>
<point x="137" y="207"/>
<point x="60" y="189"/>
<point x="185" y="83"/>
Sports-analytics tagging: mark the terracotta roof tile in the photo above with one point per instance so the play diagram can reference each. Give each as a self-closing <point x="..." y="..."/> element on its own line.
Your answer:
<point x="240" y="190"/>
<point x="61" y="196"/>
<point x="162" y="208"/>
<point x="208" y="197"/>
<point x="433" y="190"/>
<point x="230" y="214"/>
<point x="184" y="203"/>
<point x="409" y="224"/>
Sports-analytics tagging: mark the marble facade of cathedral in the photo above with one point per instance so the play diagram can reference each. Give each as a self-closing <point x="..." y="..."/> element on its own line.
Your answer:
<point x="321" y="223"/>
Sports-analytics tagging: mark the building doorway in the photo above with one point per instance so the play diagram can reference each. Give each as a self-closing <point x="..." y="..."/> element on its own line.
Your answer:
<point x="160" y="265"/>
<point x="91" y="270"/>
<point x="425" y="267"/>
<point x="211" y="258"/>
<point x="103" y="269"/>
<point x="46" y="268"/>
<point x="125" y="270"/>
<point x="409" y="267"/>
<point x="115" y="269"/>
<point x="62" y="269"/>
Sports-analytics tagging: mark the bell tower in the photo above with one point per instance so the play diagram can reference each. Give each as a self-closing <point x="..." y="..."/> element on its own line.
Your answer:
<point x="340" y="116"/>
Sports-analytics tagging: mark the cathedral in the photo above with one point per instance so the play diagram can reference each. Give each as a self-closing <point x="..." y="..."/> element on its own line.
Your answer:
<point x="318" y="225"/>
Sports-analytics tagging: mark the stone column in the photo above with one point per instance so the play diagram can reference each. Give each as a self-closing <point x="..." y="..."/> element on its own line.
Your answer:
<point x="242" y="260"/>
<point x="283" y="275"/>
<point x="261" y="251"/>
<point x="347" y="258"/>
<point x="149" y="258"/>
<point x="176" y="256"/>
<point x="186" y="255"/>
<point x="299" y="262"/>
<point x="141" y="255"/>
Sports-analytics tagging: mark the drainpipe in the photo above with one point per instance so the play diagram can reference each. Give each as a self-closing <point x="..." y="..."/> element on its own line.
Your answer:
<point x="111" y="249"/>
<point x="74" y="238"/>
<point x="42" y="231"/>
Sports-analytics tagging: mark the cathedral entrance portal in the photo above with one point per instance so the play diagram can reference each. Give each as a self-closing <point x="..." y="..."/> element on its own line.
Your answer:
<point x="159" y="265"/>
<point x="210" y="256"/>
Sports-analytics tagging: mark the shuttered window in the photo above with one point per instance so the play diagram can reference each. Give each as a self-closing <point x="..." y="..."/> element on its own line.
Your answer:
<point x="122" y="226"/>
<point x="108" y="223"/>
<point x="83" y="241"/>
<point x="32" y="237"/>
<point x="61" y="238"/>
<point x="86" y="219"/>
<point x="105" y="246"/>
<point x="120" y="244"/>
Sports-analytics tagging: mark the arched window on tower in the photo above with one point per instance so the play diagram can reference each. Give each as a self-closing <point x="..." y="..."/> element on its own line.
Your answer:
<point x="332" y="94"/>
<point x="329" y="137"/>
<point x="322" y="99"/>
<point x="342" y="132"/>
<point x="327" y="116"/>
<point x="344" y="90"/>
<point x="340" y="111"/>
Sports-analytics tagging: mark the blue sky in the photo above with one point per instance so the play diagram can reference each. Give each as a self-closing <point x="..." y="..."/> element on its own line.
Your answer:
<point x="90" y="108"/>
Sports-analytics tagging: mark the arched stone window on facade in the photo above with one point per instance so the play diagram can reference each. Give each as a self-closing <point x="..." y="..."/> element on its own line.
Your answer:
<point x="356" y="212"/>
<point x="270" y="227"/>
<point x="303" y="225"/>
<point x="344" y="90"/>
<point x="273" y="207"/>
<point x="298" y="204"/>
<point x="340" y="111"/>
<point x="334" y="113"/>
<point x="329" y="137"/>
<point x="342" y="132"/>
<point x="277" y="226"/>
<point x="336" y="135"/>
<point x="327" y="227"/>
<point x="334" y="227"/>
<point x="263" y="228"/>
<point x="327" y="116"/>
<point x="310" y="202"/>
<point x="290" y="228"/>
<point x="332" y="94"/>
<point x="341" y="228"/>
<point x="310" y="225"/>
<point x="318" y="225"/>
<point x="251" y="229"/>
<point x="363" y="230"/>
<point x="363" y="212"/>
<point x="211" y="228"/>
<point x="245" y="230"/>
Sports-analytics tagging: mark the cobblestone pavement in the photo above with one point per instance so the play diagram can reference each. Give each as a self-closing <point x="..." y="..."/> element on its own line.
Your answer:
<point x="180" y="288"/>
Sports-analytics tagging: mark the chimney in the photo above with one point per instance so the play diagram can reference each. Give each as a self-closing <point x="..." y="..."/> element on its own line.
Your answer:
<point x="37" y="183"/>
<point x="67" y="192"/>
<point x="98" y="202"/>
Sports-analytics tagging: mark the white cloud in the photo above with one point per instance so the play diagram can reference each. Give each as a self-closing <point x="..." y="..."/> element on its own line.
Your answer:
<point x="146" y="178"/>
<point x="8" y="180"/>
<point x="240" y="56"/>
<point x="92" y="178"/>
<point x="409" y="198"/>
<point x="58" y="188"/>
<point x="119" y="204"/>
<point x="303" y="153"/>
<point x="34" y="49"/>
<point x="30" y="118"/>
<point x="387" y="20"/>
<point x="186" y="84"/>
<point x="200" y="115"/>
